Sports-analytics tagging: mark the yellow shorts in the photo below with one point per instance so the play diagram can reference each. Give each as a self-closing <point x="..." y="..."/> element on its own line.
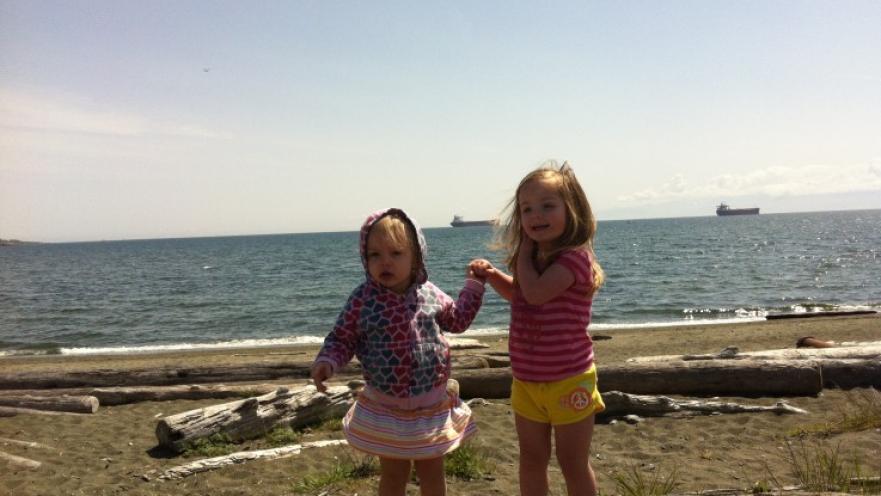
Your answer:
<point x="560" y="402"/>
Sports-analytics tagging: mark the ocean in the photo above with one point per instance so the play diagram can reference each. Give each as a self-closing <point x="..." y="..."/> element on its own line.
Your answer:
<point x="165" y="294"/>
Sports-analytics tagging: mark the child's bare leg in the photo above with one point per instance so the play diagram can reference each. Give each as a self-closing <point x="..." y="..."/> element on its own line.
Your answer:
<point x="431" y="477"/>
<point x="573" y="454"/>
<point x="393" y="476"/>
<point x="535" y="453"/>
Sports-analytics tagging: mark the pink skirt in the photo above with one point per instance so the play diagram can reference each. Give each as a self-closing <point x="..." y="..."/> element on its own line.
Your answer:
<point x="388" y="431"/>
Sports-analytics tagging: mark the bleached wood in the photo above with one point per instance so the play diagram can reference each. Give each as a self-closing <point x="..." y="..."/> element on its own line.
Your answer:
<point x="11" y="411"/>
<point x="868" y="351"/>
<point x="253" y="417"/>
<point x="619" y="404"/>
<point x="164" y="376"/>
<point x="62" y="403"/>
<point x="134" y="394"/>
<point x="706" y="378"/>
<point x="207" y="464"/>
<point x="26" y="444"/>
<point x="465" y="344"/>
<point x="20" y="461"/>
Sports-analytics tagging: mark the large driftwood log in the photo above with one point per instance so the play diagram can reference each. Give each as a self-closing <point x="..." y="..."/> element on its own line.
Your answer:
<point x="854" y="352"/>
<point x="11" y="411"/>
<point x="714" y="378"/>
<point x="158" y="376"/>
<point x="76" y="404"/>
<point x="710" y="378"/>
<point x="253" y="417"/>
<point x="206" y="464"/>
<point x="103" y="378"/>
<point x="849" y="374"/>
<point x="135" y="394"/>
<point x="19" y="461"/>
<point x="620" y="404"/>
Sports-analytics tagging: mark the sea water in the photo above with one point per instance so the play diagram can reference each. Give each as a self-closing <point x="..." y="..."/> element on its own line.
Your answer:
<point x="129" y="296"/>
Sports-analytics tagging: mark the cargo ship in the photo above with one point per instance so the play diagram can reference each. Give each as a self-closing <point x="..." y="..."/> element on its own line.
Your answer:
<point x="724" y="209"/>
<point x="458" y="221"/>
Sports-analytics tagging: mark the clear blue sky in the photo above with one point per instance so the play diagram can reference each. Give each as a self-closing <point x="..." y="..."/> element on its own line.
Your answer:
<point x="138" y="119"/>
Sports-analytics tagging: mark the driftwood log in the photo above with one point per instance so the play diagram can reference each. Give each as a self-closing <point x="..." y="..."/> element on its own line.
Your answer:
<point x="11" y="411"/>
<point x="19" y="461"/>
<point x="206" y="464"/>
<point x="27" y="444"/>
<point x="851" y="352"/>
<point x="63" y="403"/>
<point x="709" y="378"/>
<point x="136" y="394"/>
<point x="158" y="376"/>
<point x="253" y="417"/>
<point x="849" y="374"/>
<point x="620" y="404"/>
<point x="105" y="378"/>
<point x="465" y="343"/>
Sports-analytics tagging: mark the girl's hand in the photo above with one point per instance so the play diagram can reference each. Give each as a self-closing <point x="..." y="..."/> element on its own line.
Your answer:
<point x="321" y="372"/>
<point x="527" y="251"/>
<point x="480" y="269"/>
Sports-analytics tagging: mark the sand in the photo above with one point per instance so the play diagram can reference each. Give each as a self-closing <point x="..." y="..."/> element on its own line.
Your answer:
<point x="109" y="451"/>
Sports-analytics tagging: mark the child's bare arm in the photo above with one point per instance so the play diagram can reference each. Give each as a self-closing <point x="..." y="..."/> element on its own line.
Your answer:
<point x="540" y="288"/>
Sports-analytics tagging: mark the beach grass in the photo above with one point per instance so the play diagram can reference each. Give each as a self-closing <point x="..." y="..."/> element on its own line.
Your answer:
<point x="862" y="411"/>
<point x="632" y="481"/>
<point x="215" y="445"/>
<point x="282" y="435"/>
<point x="820" y="468"/>
<point x="346" y="469"/>
<point x="469" y="462"/>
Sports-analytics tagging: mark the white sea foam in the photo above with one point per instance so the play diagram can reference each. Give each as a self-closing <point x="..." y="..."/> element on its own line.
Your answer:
<point x="243" y="343"/>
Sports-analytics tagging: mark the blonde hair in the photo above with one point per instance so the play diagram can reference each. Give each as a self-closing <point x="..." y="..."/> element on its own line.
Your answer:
<point x="580" y="227"/>
<point x="400" y="233"/>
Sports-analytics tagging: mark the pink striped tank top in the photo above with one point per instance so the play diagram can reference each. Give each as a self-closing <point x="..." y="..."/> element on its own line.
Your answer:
<point x="550" y="342"/>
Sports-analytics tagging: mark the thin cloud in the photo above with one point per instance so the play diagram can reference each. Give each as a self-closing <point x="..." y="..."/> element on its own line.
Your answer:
<point x="65" y="114"/>
<point x="778" y="181"/>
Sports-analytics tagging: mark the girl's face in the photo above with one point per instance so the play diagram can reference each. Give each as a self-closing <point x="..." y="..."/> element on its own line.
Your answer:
<point x="389" y="263"/>
<point x="542" y="212"/>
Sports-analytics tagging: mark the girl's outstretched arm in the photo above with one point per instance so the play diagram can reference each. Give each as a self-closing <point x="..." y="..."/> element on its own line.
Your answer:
<point x="541" y="288"/>
<point x="339" y="345"/>
<point x="501" y="282"/>
<point x="456" y="316"/>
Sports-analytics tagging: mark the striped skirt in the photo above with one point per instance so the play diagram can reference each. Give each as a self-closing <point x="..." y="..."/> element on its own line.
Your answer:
<point x="419" y="434"/>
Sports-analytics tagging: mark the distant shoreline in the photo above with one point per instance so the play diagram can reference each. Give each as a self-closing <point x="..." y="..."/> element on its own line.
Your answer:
<point x="16" y="242"/>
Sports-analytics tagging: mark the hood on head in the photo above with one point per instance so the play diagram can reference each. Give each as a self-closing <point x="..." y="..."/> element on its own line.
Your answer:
<point x="421" y="273"/>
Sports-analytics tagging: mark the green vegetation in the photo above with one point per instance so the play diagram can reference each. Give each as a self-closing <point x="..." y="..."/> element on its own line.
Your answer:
<point x="861" y="411"/>
<point x="823" y="469"/>
<point x="282" y="436"/>
<point x="216" y="445"/>
<point x="469" y="462"/>
<point x="342" y="471"/>
<point x="632" y="482"/>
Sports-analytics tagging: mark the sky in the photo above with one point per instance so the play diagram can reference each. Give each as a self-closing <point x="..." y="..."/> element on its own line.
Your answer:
<point x="143" y="119"/>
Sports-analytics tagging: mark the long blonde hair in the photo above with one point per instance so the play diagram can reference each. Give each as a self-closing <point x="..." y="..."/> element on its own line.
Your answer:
<point x="580" y="227"/>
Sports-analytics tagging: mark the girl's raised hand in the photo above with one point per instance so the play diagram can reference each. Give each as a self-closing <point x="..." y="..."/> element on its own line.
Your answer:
<point x="527" y="250"/>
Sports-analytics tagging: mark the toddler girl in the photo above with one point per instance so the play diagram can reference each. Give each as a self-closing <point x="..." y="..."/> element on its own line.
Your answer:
<point x="549" y="240"/>
<point x="393" y="323"/>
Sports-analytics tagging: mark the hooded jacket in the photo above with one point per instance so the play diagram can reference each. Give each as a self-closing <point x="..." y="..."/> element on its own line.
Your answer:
<point x="399" y="338"/>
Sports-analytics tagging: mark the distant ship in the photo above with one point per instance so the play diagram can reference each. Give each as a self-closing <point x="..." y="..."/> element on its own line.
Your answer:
<point x="459" y="222"/>
<point x="724" y="209"/>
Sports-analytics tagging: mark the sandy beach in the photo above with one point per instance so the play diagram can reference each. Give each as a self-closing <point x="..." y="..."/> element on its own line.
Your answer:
<point x="109" y="451"/>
